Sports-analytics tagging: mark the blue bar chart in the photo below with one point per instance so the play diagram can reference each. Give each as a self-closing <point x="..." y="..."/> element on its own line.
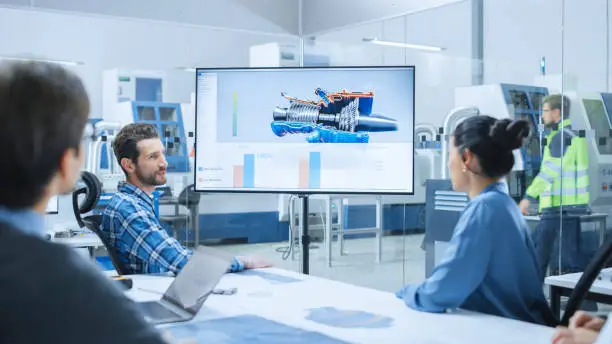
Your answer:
<point x="314" y="169"/>
<point x="249" y="171"/>
<point x="309" y="171"/>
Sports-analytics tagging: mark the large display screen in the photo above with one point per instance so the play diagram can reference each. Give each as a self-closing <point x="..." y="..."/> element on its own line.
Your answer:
<point x="305" y="130"/>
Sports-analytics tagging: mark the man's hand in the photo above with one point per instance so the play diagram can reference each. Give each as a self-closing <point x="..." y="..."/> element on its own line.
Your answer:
<point x="254" y="263"/>
<point x="524" y="206"/>
<point x="582" y="319"/>
<point x="574" y="336"/>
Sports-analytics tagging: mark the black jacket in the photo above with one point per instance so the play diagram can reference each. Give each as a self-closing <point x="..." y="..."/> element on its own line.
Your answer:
<point x="50" y="294"/>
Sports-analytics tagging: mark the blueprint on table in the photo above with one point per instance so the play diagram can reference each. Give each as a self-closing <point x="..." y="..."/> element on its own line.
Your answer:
<point x="247" y="329"/>
<point x="271" y="277"/>
<point x="334" y="317"/>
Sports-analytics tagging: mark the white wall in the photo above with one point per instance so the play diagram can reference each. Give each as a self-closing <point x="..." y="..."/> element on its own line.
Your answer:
<point x="518" y="33"/>
<point x="437" y="74"/>
<point x="106" y="42"/>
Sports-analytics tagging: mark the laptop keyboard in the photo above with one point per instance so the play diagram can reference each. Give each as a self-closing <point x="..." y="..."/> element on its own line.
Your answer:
<point x="156" y="311"/>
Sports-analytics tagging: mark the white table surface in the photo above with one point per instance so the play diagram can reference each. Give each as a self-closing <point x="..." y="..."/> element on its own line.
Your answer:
<point x="289" y="303"/>
<point x="81" y="240"/>
<point x="569" y="281"/>
<point x="585" y="217"/>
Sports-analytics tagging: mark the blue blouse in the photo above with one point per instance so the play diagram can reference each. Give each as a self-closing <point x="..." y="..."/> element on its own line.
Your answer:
<point x="490" y="265"/>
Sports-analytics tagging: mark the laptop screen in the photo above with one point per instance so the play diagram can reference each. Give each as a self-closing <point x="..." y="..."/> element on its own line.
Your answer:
<point x="198" y="278"/>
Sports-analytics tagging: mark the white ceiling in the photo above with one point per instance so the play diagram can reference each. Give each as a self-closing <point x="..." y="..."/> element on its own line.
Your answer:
<point x="266" y="16"/>
<point x="263" y="16"/>
<point x="320" y="16"/>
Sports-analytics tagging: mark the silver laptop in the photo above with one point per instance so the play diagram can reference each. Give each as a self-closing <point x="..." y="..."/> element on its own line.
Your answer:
<point x="190" y="289"/>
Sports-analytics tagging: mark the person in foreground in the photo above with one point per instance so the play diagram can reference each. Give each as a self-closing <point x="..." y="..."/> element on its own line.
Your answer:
<point x="50" y="294"/>
<point x="584" y="329"/>
<point x="129" y="219"/>
<point x="490" y="265"/>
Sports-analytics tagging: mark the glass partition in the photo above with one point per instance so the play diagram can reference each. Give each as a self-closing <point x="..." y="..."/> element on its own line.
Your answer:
<point x="505" y="59"/>
<point x="582" y="190"/>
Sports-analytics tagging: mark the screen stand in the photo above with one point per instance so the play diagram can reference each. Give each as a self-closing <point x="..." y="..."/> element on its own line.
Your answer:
<point x="305" y="236"/>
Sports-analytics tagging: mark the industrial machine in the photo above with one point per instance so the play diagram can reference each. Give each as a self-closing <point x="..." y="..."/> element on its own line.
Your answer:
<point x="512" y="101"/>
<point x="340" y="117"/>
<point x="137" y="96"/>
<point x="168" y="118"/>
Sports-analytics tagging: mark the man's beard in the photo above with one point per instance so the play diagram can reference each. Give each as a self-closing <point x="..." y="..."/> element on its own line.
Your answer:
<point x="150" y="179"/>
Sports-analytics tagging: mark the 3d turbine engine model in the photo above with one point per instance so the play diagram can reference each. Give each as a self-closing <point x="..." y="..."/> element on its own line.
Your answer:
<point x="341" y="117"/>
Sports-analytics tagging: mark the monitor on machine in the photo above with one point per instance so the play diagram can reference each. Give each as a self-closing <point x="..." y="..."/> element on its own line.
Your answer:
<point x="600" y="122"/>
<point x="52" y="205"/>
<point x="305" y="130"/>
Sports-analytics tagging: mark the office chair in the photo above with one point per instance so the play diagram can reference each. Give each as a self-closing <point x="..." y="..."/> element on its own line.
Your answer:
<point x="602" y="256"/>
<point x="189" y="199"/>
<point x="91" y="187"/>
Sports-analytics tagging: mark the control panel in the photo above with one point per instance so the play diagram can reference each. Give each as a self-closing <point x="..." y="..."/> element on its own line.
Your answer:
<point x="605" y="179"/>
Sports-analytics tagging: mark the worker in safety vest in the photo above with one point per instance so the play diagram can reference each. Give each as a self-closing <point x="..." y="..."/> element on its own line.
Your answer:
<point x="561" y="187"/>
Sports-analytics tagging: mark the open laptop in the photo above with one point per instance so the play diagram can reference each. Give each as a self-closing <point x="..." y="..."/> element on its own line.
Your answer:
<point x="190" y="289"/>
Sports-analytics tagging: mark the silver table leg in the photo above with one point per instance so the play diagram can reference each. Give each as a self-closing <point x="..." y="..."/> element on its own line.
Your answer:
<point x="328" y="231"/>
<point x="195" y="219"/>
<point x="379" y="228"/>
<point x="341" y="227"/>
<point x="602" y="230"/>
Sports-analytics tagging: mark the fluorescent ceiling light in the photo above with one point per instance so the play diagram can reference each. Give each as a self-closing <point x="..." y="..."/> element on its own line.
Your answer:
<point x="40" y="59"/>
<point x="403" y="45"/>
<point x="186" y="69"/>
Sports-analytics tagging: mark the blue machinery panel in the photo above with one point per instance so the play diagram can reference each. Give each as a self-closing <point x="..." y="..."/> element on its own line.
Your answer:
<point x="169" y="121"/>
<point x="442" y="211"/>
<point x="527" y="103"/>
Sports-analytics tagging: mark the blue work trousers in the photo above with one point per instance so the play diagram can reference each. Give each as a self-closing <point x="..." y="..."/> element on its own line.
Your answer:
<point x="575" y="250"/>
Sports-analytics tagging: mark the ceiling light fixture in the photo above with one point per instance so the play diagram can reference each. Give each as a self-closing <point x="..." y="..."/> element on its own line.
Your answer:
<point x="187" y="69"/>
<point x="41" y="59"/>
<point x="403" y="45"/>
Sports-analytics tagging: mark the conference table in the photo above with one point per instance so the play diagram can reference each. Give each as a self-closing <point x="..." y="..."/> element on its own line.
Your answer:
<point x="279" y="306"/>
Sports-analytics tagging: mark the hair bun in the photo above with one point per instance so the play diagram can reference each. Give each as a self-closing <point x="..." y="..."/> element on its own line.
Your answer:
<point x="509" y="134"/>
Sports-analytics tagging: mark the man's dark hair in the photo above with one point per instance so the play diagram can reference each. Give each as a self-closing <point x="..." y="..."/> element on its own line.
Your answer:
<point x="126" y="141"/>
<point x="558" y="102"/>
<point x="43" y="112"/>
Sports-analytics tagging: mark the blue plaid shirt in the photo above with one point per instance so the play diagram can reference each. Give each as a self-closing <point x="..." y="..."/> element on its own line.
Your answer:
<point x="135" y="232"/>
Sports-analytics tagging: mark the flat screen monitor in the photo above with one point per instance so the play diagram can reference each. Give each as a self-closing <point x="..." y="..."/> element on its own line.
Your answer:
<point x="313" y="130"/>
<point x="52" y="205"/>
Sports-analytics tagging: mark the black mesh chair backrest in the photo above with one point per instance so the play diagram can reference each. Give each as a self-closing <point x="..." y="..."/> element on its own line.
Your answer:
<point x="602" y="256"/>
<point x="93" y="223"/>
<point x="189" y="197"/>
<point x="165" y="191"/>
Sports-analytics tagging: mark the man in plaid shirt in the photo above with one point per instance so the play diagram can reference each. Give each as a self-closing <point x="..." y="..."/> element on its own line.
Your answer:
<point x="130" y="220"/>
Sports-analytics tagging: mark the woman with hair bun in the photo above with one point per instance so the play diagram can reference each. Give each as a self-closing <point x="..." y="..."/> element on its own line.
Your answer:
<point x="490" y="265"/>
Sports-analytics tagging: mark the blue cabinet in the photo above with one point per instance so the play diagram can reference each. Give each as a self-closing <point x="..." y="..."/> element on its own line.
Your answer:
<point x="168" y="119"/>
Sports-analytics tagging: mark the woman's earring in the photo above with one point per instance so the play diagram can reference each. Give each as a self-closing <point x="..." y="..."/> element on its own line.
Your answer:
<point x="464" y="169"/>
